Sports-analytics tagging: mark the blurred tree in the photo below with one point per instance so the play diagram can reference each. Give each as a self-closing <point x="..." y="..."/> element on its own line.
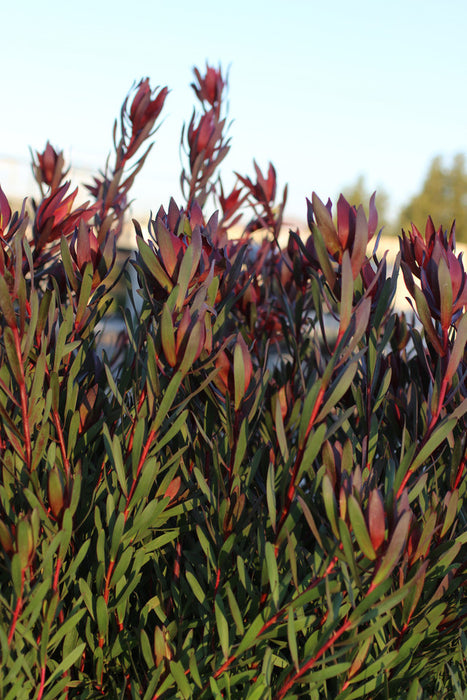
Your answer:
<point x="443" y="197"/>
<point x="359" y="193"/>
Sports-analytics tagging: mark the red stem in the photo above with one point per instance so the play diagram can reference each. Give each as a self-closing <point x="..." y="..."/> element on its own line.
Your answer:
<point x="298" y="460"/>
<point x="18" y="607"/>
<point x="41" y="688"/>
<point x="107" y="580"/>
<point x="142" y="459"/>
<point x="61" y="441"/>
<point x="280" y="613"/>
<point x="294" y="676"/>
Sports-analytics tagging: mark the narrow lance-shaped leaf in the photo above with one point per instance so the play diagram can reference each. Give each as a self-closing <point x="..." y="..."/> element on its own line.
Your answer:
<point x="359" y="527"/>
<point x="394" y="550"/>
<point x="222" y="626"/>
<point x="271" y="496"/>
<point x="433" y="442"/>
<point x="326" y="226"/>
<point x="330" y="504"/>
<point x="273" y="574"/>
<point x="6" y="305"/>
<point x="194" y="345"/>
<point x="376" y="519"/>
<point x="360" y="242"/>
<point x="338" y="389"/>
<point x="167" y="400"/>
<point x="425" y="318"/>
<point x="346" y="294"/>
<point x="445" y="293"/>
<point x="451" y="511"/>
<point x="292" y="639"/>
<point x="243" y="370"/>
<point x="168" y="336"/>
<point x="153" y="264"/>
<point x="458" y="348"/>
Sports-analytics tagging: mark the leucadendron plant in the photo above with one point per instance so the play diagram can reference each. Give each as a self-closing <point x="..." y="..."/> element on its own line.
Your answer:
<point x="258" y="491"/>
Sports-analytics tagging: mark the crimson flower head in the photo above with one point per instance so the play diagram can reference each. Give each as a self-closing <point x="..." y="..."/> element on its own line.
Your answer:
<point x="443" y="281"/>
<point x="145" y="108"/>
<point x="171" y="234"/>
<point x="264" y="190"/>
<point x="230" y="204"/>
<point x="416" y="251"/>
<point x="444" y="284"/>
<point x="353" y="230"/>
<point x="210" y="85"/>
<point x="55" y="216"/>
<point x="202" y="139"/>
<point x="49" y="167"/>
<point x="85" y="248"/>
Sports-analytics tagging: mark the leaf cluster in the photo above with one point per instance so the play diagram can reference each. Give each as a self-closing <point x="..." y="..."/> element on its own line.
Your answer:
<point x="259" y="490"/>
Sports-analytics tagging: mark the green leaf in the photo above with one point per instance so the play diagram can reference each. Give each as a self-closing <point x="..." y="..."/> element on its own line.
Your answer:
<point x="346" y="293"/>
<point x="152" y="263"/>
<point x="394" y="550"/>
<point x="167" y="400"/>
<point x="359" y="527"/>
<point x="425" y="318"/>
<point x="222" y="626"/>
<point x="68" y="264"/>
<point x="12" y="355"/>
<point x="84" y="292"/>
<point x="271" y="496"/>
<point x="310" y="520"/>
<point x="292" y="639"/>
<point x="66" y="664"/>
<point x="280" y="431"/>
<point x="114" y="451"/>
<point x="6" y="305"/>
<point x="178" y="673"/>
<point x="330" y="503"/>
<point x="458" y="348"/>
<point x="87" y="596"/>
<point x="102" y="615"/>
<point x="235" y="610"/>
<point x="445" y="292"/>
<point x="146" y="649"/>
<point x="451" y="512"/>
<point x="251" y="635"/>
<point x="441" y="432"/>
<point x="338" y="389"/>
<point x="195" y="586"/>
<point x="344" y="536"/>
<point x="168" y="336"/>
<point x="273" y="574"/>
<point x="117" y="533"/>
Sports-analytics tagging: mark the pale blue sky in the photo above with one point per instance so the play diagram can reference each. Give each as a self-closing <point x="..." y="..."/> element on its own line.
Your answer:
<point x="325" y="90"/>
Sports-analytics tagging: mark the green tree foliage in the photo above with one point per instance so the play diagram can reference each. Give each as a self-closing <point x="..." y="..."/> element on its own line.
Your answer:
<point x="443" y="197"/>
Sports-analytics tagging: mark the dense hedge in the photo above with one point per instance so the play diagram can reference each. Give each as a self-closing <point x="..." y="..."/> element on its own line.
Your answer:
<point x="259" y="490"/>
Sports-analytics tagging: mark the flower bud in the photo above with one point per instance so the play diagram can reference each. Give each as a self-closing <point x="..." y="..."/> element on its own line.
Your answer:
<point x="55" y="491"/>
<point x="24" y="542"/>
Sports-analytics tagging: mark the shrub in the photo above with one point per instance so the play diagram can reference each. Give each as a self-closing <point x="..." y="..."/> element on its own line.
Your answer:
<point x="258" y="492"/>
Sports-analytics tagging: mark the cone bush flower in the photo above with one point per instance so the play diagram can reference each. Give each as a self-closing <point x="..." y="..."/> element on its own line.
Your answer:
<point x="258" y="489"/>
